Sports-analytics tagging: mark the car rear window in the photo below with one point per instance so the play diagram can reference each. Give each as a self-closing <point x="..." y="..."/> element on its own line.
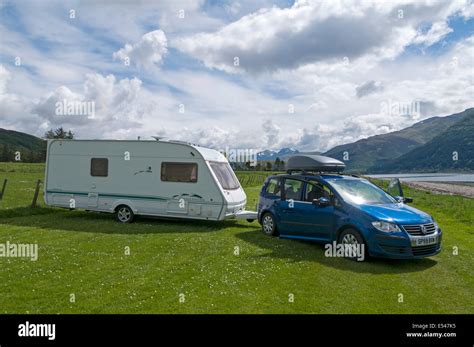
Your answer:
<point x="273" y="187"/>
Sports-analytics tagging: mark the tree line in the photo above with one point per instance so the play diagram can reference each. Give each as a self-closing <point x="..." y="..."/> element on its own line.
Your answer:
<point x="12" y="153"/>
<point x="263" y="165"/>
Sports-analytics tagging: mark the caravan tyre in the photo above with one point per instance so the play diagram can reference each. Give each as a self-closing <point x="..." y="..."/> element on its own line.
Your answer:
<point x="124" y="214"/>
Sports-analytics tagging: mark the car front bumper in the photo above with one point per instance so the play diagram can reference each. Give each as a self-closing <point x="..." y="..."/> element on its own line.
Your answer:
<point x="403" y="246"/>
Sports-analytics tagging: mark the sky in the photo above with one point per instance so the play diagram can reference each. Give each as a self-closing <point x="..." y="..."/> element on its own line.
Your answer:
<point x="258" y="74"/>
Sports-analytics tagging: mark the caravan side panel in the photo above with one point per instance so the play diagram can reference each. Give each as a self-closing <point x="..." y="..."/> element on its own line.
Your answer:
<point x="128" y="172"/>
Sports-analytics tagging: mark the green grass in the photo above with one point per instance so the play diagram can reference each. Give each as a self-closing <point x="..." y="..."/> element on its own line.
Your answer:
<point x="83" y="253"/>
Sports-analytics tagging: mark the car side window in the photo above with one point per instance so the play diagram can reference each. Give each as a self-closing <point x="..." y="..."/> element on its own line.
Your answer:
<point x="273" y="187"/>
<point x="293" y="189"/>
<point x="317" y="190"/>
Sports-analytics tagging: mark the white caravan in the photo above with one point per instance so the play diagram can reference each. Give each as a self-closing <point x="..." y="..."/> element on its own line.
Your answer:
<point x="154" y="178"/>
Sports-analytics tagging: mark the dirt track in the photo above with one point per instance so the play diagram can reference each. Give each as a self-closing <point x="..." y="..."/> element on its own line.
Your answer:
<point x="444" y="188"/>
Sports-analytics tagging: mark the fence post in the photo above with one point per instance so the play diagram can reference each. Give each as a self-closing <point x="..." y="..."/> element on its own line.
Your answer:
<point x="3" y="188"/>
<point x="35" y="197"/>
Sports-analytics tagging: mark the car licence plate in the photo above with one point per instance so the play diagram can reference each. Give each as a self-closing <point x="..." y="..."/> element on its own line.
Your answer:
<point x="424" y="241"/>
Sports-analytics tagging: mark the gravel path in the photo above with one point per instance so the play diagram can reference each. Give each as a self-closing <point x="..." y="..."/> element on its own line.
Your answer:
<point x="444" y="188"/>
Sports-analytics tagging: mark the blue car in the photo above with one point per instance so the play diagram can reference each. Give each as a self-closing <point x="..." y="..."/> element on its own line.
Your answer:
<point x="338" y="209"/>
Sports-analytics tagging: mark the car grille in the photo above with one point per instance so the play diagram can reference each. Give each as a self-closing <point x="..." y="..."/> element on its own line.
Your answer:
<point x="424" y="250"/>
<point x="415" y="230"/>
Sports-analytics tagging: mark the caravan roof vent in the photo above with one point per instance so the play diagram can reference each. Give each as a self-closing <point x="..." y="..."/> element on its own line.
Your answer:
<point x="181" y="142"/>
<point x="311" y="162"/>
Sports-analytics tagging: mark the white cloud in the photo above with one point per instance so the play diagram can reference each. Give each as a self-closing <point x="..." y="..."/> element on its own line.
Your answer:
<point x="110" y="94"/>
<point x="437" y="31"/>
<point x="46" y="107"/>
<point x="467" y="10"/>
<point x="15" y="110"/>
<point x="368" y="88"/>
<point x="4" y="78"/>
<point x="335" y="100"/>
<point x="118" y="107"/>
<point x="314" y="31"/>
<point x="148" y="51"/>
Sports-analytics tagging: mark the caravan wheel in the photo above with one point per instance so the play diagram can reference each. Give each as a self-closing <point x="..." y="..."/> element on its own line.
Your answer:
<point x="124" y="214"/>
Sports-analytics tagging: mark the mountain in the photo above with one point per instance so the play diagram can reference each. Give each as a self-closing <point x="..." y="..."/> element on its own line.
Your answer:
<point x="439" y="154"/>
<point x="31" y="148"/>
<point x="376" y="151"/>
<point x="272" y="155"/>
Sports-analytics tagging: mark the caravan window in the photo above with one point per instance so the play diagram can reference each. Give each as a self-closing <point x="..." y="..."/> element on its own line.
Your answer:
<point x="225" y="175"/>
<point x="179" y="172"/>
<point x="100" y="167"/>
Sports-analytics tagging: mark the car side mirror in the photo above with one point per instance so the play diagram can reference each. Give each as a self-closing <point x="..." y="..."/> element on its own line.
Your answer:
<point x="321" y="202"/>
<point x="395" y="188"/>
<point x="403" y="199"/>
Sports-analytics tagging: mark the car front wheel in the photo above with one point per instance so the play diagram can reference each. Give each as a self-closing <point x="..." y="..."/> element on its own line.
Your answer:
<point x="351" y="237"/>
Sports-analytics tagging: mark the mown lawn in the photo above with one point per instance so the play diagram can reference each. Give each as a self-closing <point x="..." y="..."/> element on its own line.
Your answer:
<point x="83" y="253"/>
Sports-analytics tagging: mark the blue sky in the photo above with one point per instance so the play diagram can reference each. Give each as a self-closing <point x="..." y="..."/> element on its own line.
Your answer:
<point x="238" y="74"/>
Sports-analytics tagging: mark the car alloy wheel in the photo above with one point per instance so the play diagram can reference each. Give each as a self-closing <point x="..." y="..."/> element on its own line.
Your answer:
<point x="353" y="237"/>
<point x="268" y="225"/>
<point x="349" y="239"/>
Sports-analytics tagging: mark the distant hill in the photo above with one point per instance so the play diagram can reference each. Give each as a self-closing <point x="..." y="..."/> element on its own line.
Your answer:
<point x="376" y="151"/>
<point x="268" y="155"/>
<point x="438" y="153"/>
<point x="31" y="148"/>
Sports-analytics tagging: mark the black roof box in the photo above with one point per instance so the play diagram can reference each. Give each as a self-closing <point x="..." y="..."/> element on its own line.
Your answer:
<point x="310" y="162"/>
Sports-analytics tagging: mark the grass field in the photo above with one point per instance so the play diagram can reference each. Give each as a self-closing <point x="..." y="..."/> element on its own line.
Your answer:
<point x="192" y="267"/>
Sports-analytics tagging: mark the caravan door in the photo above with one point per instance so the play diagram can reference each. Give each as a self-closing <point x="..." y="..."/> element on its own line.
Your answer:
<point x="92" y="199"/>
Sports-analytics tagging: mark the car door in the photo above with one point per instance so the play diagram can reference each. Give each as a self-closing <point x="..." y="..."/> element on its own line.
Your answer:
<point x="291" y="208"/>
<point x="270" y="197"/>
<point x="319" y="220"/>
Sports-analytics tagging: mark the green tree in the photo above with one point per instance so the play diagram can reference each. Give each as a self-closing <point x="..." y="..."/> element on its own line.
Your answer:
<point x="277" y="164"/>
<point x="6" y="154"/>
<point x="59" y="133"/>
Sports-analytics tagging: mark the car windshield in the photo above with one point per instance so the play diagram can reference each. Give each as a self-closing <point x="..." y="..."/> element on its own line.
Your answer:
<point x="225" y="175"/>
<point x="361" y="192"/>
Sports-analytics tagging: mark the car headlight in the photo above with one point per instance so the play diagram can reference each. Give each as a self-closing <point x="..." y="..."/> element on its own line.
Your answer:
<point x="385" y="226"/>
